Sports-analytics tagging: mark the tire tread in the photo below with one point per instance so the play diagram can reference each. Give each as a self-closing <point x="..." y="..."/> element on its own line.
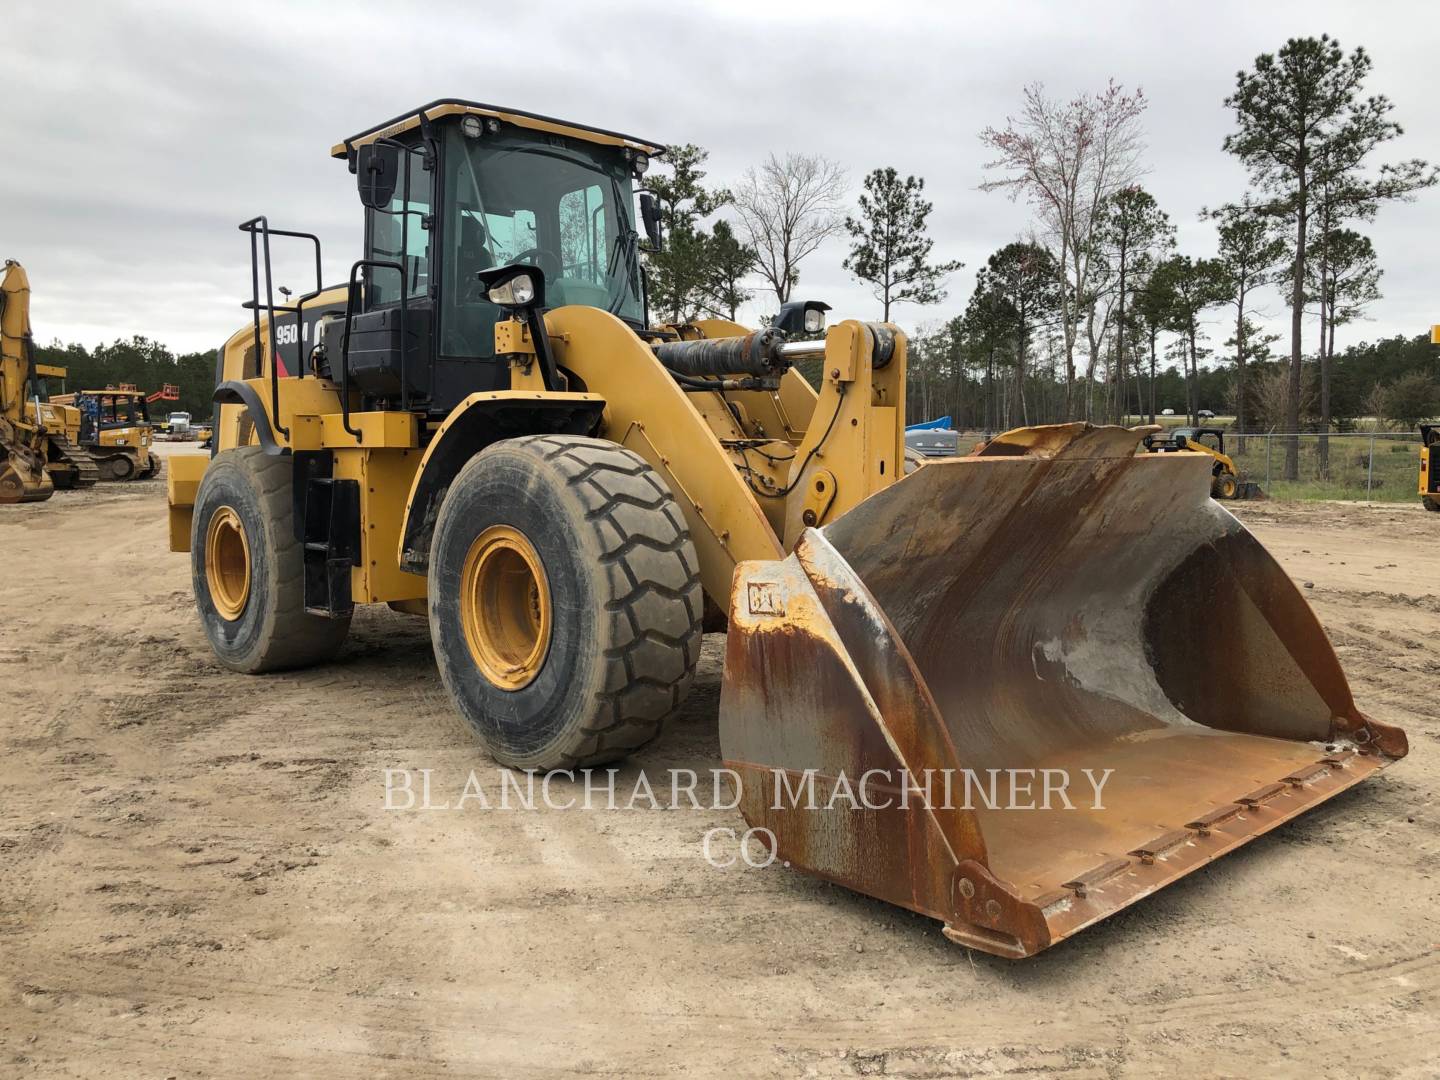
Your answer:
<point x="654" y="558"/>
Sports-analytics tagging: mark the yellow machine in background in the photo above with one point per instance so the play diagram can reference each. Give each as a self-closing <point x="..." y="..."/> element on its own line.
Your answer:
<point x="113" y="427"/>
<point x="1429" y="466"/>
<point x="36" y="456"/>
<point x="68" y="463"/>
<point x="1225" y="482"/>
<point x="483" y="427"/>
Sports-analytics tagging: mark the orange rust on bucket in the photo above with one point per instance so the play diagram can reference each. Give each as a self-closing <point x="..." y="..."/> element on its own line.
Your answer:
<point x="1033" y="610"/>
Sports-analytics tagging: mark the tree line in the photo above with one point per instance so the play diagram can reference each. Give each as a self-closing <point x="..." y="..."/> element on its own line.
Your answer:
<point x="146" y="364"/>
<point x="1093" y="313"/>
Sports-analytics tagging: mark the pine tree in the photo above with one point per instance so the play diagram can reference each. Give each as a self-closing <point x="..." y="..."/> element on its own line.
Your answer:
<point x="1130" y="232"/>
<point x="891" y="250"/>
<point x="1188" y="287"/>
<point x="729" y="262"/>
<point x="682" y="274"/>
<point x="1025" y="277"/>
<point x="1304" y="126"/>
<point x="1250" y="248"/>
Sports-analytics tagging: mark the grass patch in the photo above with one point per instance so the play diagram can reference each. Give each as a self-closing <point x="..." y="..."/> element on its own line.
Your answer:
<point x="1393" y="476"/>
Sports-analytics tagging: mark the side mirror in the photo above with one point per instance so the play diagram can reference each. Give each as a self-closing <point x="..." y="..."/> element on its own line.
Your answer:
<point x="650" y="215"/>
<point x="377" y="170"/>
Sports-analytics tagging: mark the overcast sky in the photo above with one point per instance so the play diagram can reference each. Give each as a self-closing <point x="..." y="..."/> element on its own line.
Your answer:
<point x="136" y="136"/>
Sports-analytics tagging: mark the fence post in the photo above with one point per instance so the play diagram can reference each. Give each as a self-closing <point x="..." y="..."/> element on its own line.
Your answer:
<point x="1370" y="474"/>
<point x="1268" y="440"/>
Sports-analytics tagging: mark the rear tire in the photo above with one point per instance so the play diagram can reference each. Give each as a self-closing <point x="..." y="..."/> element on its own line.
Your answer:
<point x="1429" y="503"/>
<point x="594" y="615"/>
<point x="251" y="596"/>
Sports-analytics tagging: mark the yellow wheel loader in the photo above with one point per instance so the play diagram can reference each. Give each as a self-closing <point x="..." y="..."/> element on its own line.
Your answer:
<point x="35" y="455"/>
<point x="1429" y="475"/>
<point x="483" y="427"/>
<point x="113" y="427"/>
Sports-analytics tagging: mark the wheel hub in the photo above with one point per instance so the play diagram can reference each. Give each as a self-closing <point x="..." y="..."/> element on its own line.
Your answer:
<point x="505" y="607"/>
<point x="227" y="563"/>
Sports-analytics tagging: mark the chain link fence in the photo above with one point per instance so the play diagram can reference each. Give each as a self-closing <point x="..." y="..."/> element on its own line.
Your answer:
<point x="1366" y="466"/>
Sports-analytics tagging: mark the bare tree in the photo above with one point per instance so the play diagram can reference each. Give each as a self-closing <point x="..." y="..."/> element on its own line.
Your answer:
<point x="787" y="208"/>
<point x="1065" y="159"/>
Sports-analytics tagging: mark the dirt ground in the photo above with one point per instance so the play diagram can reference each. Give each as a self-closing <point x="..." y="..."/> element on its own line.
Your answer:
<point x="199" y="876"/>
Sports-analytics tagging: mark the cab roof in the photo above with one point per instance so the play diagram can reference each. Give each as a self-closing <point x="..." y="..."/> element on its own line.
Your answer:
<point x="456" y="107"/>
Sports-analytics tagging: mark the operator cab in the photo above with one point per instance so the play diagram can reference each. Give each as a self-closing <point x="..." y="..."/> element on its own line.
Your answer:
<point x="1180" y="439"/>
<point x="452" y="191"/>
<point x="102" y="410"/>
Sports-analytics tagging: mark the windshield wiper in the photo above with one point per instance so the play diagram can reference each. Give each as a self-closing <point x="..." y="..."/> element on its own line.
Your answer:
<point x="628" y="241"/>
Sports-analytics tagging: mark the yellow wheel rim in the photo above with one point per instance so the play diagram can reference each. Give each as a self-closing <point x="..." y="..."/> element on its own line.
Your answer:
<point x="1227" y="487"/>
<point x="505" y="607"/>
<point x="227" y="563"/>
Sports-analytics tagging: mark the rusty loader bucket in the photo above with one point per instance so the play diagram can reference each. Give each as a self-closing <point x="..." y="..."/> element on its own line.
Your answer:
<point x="1020" y="690"/>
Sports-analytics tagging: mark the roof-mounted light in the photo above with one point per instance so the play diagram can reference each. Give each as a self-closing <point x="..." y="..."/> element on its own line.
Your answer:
<point x="472" y="127"/>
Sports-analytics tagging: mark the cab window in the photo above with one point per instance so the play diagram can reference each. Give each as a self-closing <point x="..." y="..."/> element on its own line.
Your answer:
<point x="560" y="204"/>
<point x="582" y="242"/>
<point x="398" y="234"/>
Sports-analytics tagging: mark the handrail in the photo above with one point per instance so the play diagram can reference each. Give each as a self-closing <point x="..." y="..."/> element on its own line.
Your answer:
<point x="350" y="293"/>
<point x="260" y="232"/>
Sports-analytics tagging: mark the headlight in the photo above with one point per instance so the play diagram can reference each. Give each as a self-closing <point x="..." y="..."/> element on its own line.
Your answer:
<point x="515" y="292"/>
<point x="641" y="163"/>
<point x="472" y="127"/>
<point x="814" y="321"/>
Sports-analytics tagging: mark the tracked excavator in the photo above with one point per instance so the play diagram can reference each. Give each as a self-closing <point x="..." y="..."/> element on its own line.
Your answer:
<point x="36" y="457"/>
<point x="482" y="426"/>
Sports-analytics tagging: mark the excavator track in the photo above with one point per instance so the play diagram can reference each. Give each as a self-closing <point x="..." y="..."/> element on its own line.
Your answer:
<point x="71" y="466"/>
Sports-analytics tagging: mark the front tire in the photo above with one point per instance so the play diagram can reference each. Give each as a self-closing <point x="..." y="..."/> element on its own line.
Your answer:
<point x="247" y="567"/>
<point x="565" y="601"/>
<point x="1224" y="486"/>
<point x="1429" y="503"/>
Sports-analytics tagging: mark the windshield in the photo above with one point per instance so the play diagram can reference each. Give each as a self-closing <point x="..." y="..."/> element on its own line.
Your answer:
<point x="557" y="203"/>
